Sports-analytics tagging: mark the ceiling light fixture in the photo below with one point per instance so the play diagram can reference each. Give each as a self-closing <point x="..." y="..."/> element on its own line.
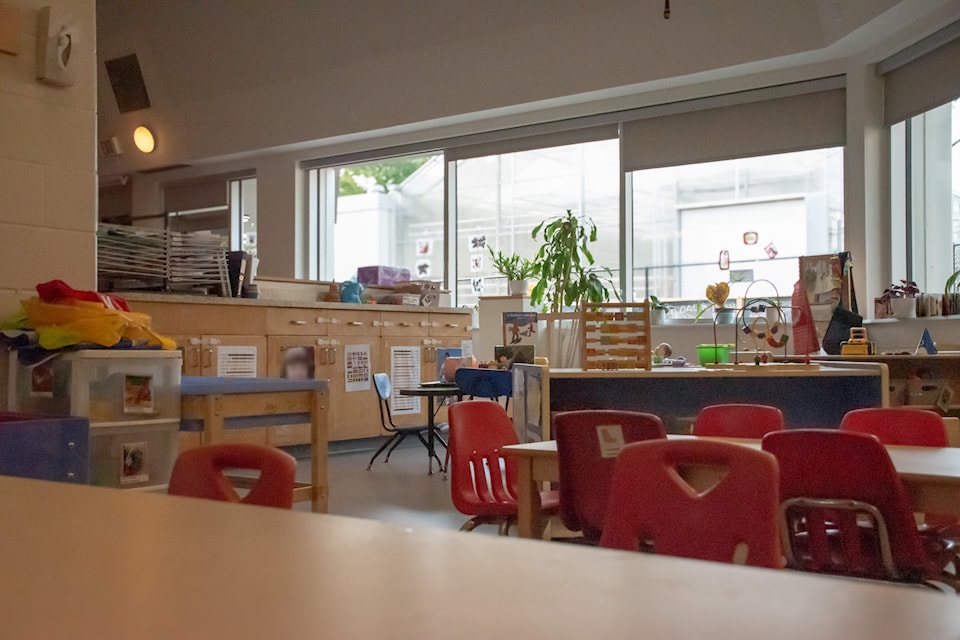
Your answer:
<point x="144" y="140"/>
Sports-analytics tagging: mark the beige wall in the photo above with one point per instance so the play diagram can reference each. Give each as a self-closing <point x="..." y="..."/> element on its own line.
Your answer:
<point x="47" y="162"/>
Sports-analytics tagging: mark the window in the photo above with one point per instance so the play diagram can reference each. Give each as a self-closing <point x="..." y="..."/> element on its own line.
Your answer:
<point x="387" y="212"/>
<point x="231" y="215"/>
<point x="791" y="204"/>
<point x="243" y="215"/>
<point x="925" y="192"/>
<point x="501" y="198"/>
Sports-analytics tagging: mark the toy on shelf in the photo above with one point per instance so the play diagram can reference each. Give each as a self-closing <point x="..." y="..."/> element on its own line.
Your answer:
<point x="761" y="322"/>
<point x="616" y="336"/>
<point x="858" y="344"/>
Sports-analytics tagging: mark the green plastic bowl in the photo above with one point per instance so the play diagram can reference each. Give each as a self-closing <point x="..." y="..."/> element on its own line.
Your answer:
<point x="714" y="353"/>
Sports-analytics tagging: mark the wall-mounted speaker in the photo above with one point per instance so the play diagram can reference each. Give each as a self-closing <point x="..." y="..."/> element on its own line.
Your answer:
<point x="127" y="83"/>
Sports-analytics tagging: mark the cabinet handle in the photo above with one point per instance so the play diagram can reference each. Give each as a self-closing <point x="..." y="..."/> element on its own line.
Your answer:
<point x="322" y="320"/>
<point x="298" y="323"/>
<point x="424" y="323"/>
<point x="193" y="361"/>
<point x="71" y="445"/>
<point x="355" y="323"/>
<point x="332" y="356"/>
<point x="452" y="325"/>
<point x="406" y="324"/>
<point x="208" y="361"/>
<point x="71" y="475"/>
<point x="322" y="356"/>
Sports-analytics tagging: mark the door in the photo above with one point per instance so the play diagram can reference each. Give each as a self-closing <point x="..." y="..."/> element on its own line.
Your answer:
<point x="349" y="363"/>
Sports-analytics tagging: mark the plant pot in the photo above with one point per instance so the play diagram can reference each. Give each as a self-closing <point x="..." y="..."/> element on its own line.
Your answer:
<point x="517" y="287"/>
<point x="903" y="307"/>
<point x="658" y="316"/>
<point x="725" y="316"/>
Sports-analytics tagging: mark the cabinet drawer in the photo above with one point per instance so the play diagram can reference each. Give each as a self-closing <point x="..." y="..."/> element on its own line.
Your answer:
<point x="296" y="322"/>
<point x="354" y="323"/>
<point x="450" y="324"/>
<point x="402" y="324"/>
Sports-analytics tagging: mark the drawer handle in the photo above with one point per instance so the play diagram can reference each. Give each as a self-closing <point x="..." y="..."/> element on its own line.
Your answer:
<point x="298" y="323"/>
<point x="355" y="323"/>
<point x="406" y="324"/>
<point x="452" y="325"/>
<point x="321" y="320"/>
<point x="71" y="475"/>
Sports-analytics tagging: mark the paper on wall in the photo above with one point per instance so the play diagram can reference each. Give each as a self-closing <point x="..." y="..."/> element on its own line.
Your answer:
<point x="405" y="374"/>
<point x="357" y="367"/>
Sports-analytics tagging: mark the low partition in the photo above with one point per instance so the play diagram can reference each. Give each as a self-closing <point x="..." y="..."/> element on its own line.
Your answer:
<point x="815" y="395"/>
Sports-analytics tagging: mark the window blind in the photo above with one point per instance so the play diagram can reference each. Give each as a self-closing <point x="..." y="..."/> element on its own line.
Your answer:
<point x="510" y="142"/>
<point x="761" y="122"/>
<point x="923" y="76"/>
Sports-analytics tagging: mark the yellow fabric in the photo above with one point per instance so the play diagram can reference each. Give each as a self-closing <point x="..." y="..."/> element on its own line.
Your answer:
<point x="71" y="322"/>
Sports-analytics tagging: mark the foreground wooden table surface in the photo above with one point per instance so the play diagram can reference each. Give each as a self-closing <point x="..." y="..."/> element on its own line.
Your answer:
<point x="91" y="563"/>
<point x="930" y="475"/>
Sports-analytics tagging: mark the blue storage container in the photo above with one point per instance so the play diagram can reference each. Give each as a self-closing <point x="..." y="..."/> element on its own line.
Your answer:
<point x="45" y="447"/>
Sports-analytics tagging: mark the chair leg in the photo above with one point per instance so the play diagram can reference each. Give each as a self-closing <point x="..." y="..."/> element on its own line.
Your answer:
<point x="386" y="443"/>
<point x="426" y="446"/>
<point x="469" y="525"/>
<point x="505" y="527"/>
<point x="400" y="438"/>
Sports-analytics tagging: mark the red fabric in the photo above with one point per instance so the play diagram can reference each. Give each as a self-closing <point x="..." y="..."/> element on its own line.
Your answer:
<point x="58" y="290"/>
<point x="585" y="475"/>
<point x="804" y="339"/>
<point x="478" y="429"/>
<point x="198" y="473"/>
<point x="651" y="503"/>
<point x="842" y="465"/>
<point x="738" y="421"/>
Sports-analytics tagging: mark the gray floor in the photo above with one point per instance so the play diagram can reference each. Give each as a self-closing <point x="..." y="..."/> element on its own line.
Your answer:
<point x="399" y="492"/>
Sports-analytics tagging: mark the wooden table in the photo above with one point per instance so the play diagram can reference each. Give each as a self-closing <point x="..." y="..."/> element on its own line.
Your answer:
<point x="90" y="563"/>
<point x="214" y="405"/>
<point x="930" y="475"/>
<point x="431" y="393"/>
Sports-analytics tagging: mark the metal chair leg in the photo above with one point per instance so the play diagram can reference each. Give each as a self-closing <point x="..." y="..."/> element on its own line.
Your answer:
<point x="400" y="438"/>
<point x="469" y="525"/>
<point x="427" y="447"/>
<point x="386" y="443"/>
<point x="505" y="527"/>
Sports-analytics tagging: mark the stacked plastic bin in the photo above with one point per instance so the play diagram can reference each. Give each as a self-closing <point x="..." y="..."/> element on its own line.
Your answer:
<point x="132" y="399"/>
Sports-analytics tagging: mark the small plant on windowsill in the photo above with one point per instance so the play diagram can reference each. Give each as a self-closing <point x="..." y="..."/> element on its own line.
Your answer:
<point x="901" y="299"/>
<point x="515" y="269"/>
<point x="658" y="310"/>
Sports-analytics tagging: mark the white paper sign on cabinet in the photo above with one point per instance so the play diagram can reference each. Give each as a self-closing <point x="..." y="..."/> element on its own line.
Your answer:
<point x="357" y="367"/>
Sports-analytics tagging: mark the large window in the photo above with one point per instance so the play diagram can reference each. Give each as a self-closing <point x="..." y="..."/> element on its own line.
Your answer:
<point x="388" y="212"/>
<point x="231" y="215"/>
<point x="925" y="190"/>
<point x="759" y="213"/>
<point x="501" y="198"/>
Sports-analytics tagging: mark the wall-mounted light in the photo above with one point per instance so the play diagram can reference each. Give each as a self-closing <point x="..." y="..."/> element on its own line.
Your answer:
<point x="144" y="140"/>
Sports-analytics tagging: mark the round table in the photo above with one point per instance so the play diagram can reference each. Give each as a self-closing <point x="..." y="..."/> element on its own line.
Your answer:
<point x="431" y="392"/>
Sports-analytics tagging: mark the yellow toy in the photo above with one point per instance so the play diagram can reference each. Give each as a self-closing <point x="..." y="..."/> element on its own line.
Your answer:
<point x="858" y="344"/>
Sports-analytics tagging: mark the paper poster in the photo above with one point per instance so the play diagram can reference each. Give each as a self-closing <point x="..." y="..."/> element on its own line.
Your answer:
<point x="477" y="242"/>
<point x="137" y="394"/>
<point x="519" y="327"/>
<point x="405" y="374"/>
<point x="237" y="362"/>
<point x="477" y="285"/>
<point x="357" y="367"/>
<point x="476" y="263"/>
<point x="424" y="247"/>
<point x="41" y="380"/>
<point x="611" y="440"/>
<point x="466" y="348"/>
<point x="133" y="464"/>
<point x="424" y="268"/>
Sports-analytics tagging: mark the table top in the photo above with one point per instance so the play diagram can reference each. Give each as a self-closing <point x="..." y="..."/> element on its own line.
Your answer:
<point x="88" y="562"/>
<point x="432" y="390"/>
<point x="941" y="464"/>
<point x="209" y="385"/>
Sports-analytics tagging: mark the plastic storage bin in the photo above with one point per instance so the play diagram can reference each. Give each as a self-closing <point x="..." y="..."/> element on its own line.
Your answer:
<point x="44" y="447"/>
<point x="108" y="386"/>
<point x="138" y="455"/>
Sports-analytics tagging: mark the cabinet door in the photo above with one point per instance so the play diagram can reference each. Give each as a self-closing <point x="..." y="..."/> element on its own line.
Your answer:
<point x="215" y="348"/>
<point x="295" y="358"/>
<point x="190" y="347"/>
<point x="353" y="413"/>
<point x="400" y="369"/>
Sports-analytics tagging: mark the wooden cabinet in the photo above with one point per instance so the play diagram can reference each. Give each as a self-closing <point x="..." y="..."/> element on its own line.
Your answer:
<point x="319" y="333"/>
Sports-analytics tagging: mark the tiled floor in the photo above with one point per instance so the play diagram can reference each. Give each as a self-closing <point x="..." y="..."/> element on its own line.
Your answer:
<point x="399" y="492"/>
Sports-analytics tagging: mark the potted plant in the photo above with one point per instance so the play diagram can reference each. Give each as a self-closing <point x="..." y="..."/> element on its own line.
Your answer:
<point x="565" y="265"/>
<point x="951" y="295"/>
<point x="902" y="299"/>
<point x="515" y="269"/>
<point x="658" y="310"/>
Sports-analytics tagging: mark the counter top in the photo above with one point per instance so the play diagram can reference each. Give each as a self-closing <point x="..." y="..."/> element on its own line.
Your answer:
<point x="172" y="298"/>
<point x="727" y="371"/>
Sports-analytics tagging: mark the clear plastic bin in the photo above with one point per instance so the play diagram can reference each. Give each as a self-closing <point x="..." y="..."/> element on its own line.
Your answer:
<point x="133" y="456"/>
<point x="108" y="386"/>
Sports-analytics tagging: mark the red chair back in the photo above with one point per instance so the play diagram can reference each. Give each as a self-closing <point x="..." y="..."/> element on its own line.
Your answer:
<point x="738" y="421"/>
<point x="900" y="426"/>
<point x="198" y="473"/>
<point x="825" y="464"/>
<point x="650" y="503"/>
<point x="483" y="482"/>
<point x="587" y="453"/>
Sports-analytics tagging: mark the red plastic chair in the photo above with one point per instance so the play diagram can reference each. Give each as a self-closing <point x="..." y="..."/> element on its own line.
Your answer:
<point x="844" y="510"/>
<point x="483" y="482"/>
<point x="738" y="421"/>
<point x="909" y="427"/>
<point x="586" y="465"/>
<point x="652" y="506"/>
<point x="198" y="473"/>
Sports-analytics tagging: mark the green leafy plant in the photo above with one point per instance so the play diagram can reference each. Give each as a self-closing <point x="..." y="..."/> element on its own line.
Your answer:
<point x="512" y="267"/>
<point x="565" y="265"/>
<point x="657" y="304"/>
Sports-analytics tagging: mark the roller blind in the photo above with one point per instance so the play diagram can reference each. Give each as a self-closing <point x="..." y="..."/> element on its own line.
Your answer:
<point x="922" y="77"/>
<point x="502" y="142"/>
<point x="203" y="193"/>
<point x="756" y="126"/>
